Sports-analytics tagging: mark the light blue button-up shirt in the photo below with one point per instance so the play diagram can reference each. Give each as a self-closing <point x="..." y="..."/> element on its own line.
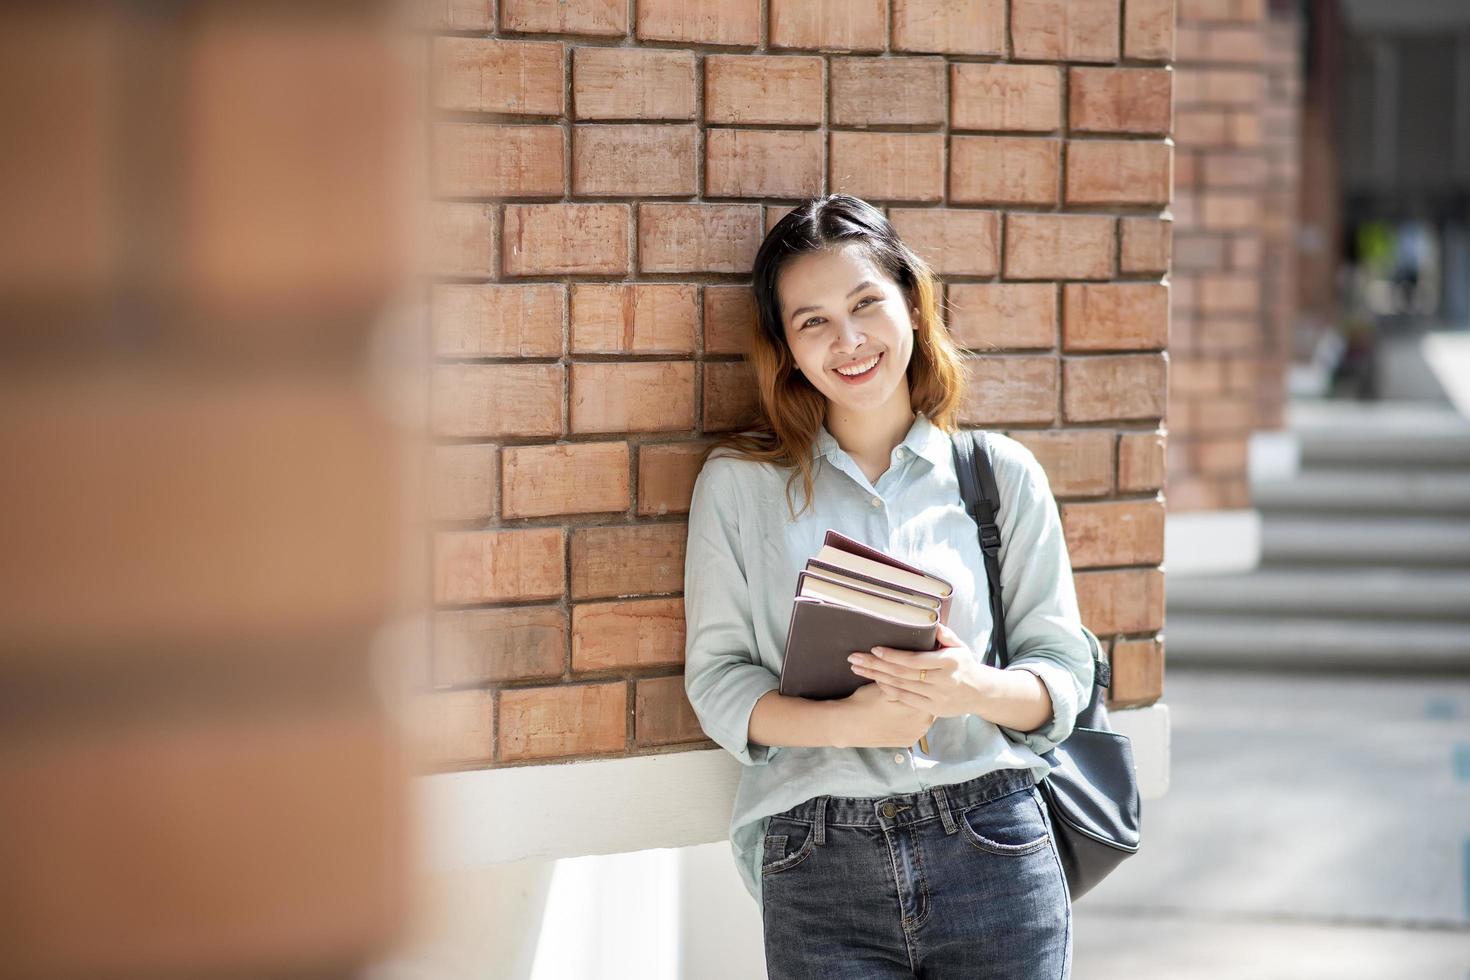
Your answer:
<point x="741" y="564"/>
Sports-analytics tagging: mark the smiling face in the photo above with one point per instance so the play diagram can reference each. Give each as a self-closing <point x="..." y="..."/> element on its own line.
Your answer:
<point x="832" y="320"/>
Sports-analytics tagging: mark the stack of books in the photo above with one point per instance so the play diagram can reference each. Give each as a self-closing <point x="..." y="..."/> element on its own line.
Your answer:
<point x="853" y="597"/>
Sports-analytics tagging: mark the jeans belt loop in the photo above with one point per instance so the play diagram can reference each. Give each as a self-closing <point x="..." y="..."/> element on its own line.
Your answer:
<point x="941" y="800"/>
<point x="819" y="832"/>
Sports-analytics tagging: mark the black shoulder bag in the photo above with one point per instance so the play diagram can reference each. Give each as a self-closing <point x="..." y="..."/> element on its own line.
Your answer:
<point x="1091" y="792"/>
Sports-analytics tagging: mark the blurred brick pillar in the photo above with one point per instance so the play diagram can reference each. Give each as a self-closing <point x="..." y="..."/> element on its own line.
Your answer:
<point x="1281" y="125"/>
<point x="1220" y="331"/>
<point x="201" y="496"/>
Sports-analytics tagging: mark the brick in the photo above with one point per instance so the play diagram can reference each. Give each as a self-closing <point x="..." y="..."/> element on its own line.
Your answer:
<point x="1196" y="376"/>
<point x="762" y="89"/>
<point x="1122" y="386"/>
<point x="633" y="318"/>
<point x="1222" y="455"/>
<point x="666" y="474"/>
<point x="1009" y="390"/>
<point x="729" y="318"/>
<point x="474" y="74"/>
<point x="1114" y="532"/>
<point x="700" y="21"/>
<point x="1229" y="212"/>
<point x="627" y="634"/>
<point x="463" y="482"/>
<point x="1141" y="461"/>
<point x="1229" y="294"/>
<point x="1120" y="100"/>
<point x="950" y="27"/>
<point x="1148" y="30"/>
<point x="497" y="321"/>
<point x="1077" y="463"/>
<point x="1118" y="172"/>
<point x="1196" y="252"/>
<point x="1123" y="600"/>
<point x="1243" y="129"/>
<point x="497" y="400"/>
<point x="1224" y="413"/>
<point x="463" y="239"/>
<point x="829" y="25"/>
<point x="565" y="239"/>
<point x="1058" y="246"/>
<point x="459" y="15"/>
<point x="1004" y="170"/>
<point x="580" y="478"/>
<point x="608" y="18"/>
<point x="484" y="160"/>
<point x="1201" y="128"/>
<point x="563" y="722"/>
<point x="762" y="163"/>
<point x="454" y="729"/>
<point x="474" y="647"/>
<point x="1003" y="316"/>
<point x="1065" y="30"/>
<point x="633" y="160"/>
<point x="954" y="241"/>
<point x="1137" y="672"/>
<point x="663" y="714"/>
<point x="698" y="237"/>
<point x="244" y="502"/>
<point x="1146" y="246"/>
<point x="888" y="166"/>
<point x="499" y="566"/>
<point x="1115" y="316"/>
<point x="640" y="396"/>
<point x="633" y="83"/>
<point x="1017" y="98"/>
<point x="626" y="561"/>
<point x="1223" y="87"/>
<point x="1219" y="10"/>
<point x="730" y="396"/>
<point x="1241" y="45"/>
<point x="887" y="92"/>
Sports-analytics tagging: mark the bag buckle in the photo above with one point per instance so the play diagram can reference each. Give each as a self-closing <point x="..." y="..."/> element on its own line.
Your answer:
<point x="990" y="538"/>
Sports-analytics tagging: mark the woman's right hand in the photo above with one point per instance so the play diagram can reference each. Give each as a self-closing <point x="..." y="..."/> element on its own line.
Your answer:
<point x="873" y="721"/>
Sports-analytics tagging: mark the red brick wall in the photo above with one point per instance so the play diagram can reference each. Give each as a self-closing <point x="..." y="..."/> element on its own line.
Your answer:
<point x="604" y="182"/>
<point x="1219" y="337"/>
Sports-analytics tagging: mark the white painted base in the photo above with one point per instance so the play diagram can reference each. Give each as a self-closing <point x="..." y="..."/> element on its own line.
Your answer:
<point x="1212" y="542"/>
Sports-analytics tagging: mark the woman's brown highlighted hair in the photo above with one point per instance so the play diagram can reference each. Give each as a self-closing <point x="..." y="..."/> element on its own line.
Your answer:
<point x="791" y="410"/>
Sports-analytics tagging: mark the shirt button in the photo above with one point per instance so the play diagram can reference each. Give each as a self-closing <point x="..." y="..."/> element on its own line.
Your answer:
<point x="877" y="501"/>
<point x="898" y="757"/>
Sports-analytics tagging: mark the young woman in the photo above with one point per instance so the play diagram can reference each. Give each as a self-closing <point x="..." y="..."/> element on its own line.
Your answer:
<point x="870" y="857"/>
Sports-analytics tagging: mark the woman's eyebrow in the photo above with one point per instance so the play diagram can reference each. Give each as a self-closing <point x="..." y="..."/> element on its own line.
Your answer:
<point x="858" y="288"/>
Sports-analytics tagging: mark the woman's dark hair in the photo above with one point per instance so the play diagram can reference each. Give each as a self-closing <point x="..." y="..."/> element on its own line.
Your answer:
<point x="791" y="410"/>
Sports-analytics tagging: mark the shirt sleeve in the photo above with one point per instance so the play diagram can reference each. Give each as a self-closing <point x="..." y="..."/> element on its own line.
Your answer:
<point x="722" y="677"/>
<point x="1044" y="631"/>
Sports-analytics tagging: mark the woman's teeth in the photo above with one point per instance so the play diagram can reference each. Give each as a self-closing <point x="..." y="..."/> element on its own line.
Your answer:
<point x="860" y="370"/>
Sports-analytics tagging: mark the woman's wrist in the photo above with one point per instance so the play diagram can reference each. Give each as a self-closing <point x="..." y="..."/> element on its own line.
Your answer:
<point x="1016" y="699"/>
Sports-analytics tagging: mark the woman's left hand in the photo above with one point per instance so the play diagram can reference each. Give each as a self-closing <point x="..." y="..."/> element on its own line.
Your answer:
<point x="953" y="681"/>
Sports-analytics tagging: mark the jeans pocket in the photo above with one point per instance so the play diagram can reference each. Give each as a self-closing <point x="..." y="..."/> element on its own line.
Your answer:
<point x="1008" y="825"/>
<point x="787" y="843"/>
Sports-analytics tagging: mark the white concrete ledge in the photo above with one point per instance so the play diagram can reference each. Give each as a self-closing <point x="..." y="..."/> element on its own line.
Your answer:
<point x="493" y="816"/>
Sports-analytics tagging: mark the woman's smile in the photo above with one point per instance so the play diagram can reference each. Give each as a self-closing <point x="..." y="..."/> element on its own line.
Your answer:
<point x="857" y="379"/>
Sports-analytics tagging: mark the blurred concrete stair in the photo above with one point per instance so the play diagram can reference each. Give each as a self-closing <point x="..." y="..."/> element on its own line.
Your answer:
<point x="1365" y="554"/>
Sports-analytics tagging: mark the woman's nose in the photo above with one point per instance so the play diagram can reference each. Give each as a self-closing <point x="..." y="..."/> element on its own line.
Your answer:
<point x="849" y="337"/>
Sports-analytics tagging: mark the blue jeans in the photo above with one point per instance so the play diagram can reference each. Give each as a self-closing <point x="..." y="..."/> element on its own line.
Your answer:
<point x="958" y="882"/>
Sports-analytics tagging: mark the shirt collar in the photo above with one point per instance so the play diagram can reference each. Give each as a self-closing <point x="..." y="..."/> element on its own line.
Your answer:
<point x="924" y="439"/>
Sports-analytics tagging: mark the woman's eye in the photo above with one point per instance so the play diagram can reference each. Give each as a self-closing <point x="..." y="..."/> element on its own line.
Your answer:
<point x="866" y="300"/>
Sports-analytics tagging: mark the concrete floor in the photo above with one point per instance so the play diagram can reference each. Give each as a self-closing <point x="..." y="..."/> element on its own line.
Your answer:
<point x="1315" y="826"/>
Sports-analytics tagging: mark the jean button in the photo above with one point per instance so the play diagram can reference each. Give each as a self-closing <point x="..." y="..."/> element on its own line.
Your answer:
<point x="888" y="810"/>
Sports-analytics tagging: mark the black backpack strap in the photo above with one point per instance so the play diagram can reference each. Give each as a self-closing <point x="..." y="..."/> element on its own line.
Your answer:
<point x="982" y="502"/>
